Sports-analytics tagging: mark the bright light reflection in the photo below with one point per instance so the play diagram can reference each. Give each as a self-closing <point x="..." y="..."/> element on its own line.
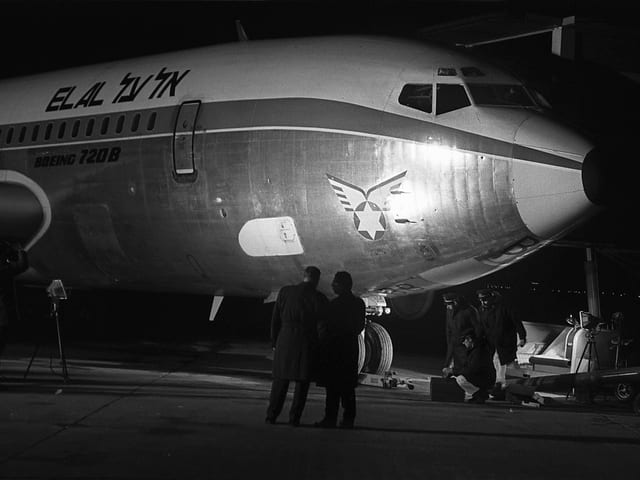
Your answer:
<point x="435" y="152"/>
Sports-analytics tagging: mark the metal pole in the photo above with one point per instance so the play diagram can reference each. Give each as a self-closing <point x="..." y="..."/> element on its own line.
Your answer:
<point x="65" y="373"/>
<point x="593" y="288"/>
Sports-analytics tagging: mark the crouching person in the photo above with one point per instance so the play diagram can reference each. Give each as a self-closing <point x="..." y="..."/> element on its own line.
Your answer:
<point x="477" y="374"/>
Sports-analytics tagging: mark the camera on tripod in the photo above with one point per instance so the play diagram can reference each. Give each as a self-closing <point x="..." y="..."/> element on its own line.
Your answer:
<point x="590" y="323"/>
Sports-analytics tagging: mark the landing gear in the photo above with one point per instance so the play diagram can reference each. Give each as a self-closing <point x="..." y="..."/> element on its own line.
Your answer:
<point x="375" y="349"/>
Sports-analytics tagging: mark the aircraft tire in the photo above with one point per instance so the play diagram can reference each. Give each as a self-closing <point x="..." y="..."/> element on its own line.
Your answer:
<point x="361" y="351"/>
<point x="624" y="392"/>
<point x="378" y="349"/>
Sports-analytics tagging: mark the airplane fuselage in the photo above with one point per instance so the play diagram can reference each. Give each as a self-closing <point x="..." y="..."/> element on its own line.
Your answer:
<point x="226" y="170"/>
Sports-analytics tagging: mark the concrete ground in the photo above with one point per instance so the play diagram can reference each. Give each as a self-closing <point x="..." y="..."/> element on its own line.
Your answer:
<point x="178" y="411"/>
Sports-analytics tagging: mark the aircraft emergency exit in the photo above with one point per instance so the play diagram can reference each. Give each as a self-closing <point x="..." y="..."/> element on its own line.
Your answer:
<point x="225" y="170"/>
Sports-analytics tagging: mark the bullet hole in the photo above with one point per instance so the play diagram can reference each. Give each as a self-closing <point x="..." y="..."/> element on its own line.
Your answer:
<point x="223" y="213"/>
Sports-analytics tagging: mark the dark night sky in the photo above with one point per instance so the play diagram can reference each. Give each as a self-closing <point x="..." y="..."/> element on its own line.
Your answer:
<point x="40" y="36"/>
<point x="46" y="35"/>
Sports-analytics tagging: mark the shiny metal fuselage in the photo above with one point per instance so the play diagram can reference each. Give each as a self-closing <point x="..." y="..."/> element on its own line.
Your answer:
<point x="136" y="224"/>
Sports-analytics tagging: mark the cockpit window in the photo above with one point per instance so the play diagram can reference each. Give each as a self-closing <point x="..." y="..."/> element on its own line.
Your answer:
<point x="417" y="96"/>
<point x="500" y="95"/>
<point x="446" y="72"/>
<point x="472" y="72"/>
<point x="450" y="97"/>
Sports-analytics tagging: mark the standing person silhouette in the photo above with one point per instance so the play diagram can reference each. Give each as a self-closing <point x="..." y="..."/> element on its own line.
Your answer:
<point x="339" y="347"/>
<point x="13" y="261"/>
<point x="294" y="337"/>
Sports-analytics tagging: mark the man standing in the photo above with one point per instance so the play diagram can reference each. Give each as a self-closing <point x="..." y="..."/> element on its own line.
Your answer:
<point x="13" y="261"/>
<point x="294" y="336"/>
<point x="502" y="326"/>
<point x="477" y="374"/>
<point x="339" y="347"/>
<point x="461" y="317"/>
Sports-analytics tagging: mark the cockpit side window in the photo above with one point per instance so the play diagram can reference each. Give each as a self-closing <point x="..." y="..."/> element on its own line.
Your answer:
<point x="450" y="97"/>
<point x="500" y="95"/>
<point x="418" y="96"/>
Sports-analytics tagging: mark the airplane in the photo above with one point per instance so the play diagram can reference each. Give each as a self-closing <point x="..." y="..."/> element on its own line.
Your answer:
<point x="224" y="170"/>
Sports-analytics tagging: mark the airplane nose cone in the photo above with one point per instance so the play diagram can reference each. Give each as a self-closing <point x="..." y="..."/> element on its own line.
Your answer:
<point x="595" y="174"/>
<point x="548" y="178"/>
<point x="606" y="181"/>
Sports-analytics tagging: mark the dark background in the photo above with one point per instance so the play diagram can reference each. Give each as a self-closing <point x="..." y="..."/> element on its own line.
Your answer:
<point x="597" y="91"/>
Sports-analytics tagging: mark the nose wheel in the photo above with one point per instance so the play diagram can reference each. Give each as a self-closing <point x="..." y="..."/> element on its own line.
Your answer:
<point x="375" y="349"/>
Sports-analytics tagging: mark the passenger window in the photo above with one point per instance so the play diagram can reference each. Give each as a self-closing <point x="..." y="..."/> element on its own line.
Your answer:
<point x="105" y="126"/>
<point x="120" y="124"/>
<point x="61" y="129"/>
<point x="89" y="130"/>
<point x="9" y="135"/>
<point x="450" y="97"/>
<point x="136" y="122"/>
<point x="34" y="133"/>
<point x="417" y="96"/>
<point x="76" y="128"/>
<point x="152" y="121"/>
<point x="23" y="133"/>
<point x="47" y="132"/>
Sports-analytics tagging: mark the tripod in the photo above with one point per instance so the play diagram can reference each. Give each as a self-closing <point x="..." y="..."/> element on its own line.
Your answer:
<point x="592" y="350"/>
<point x="56" y="293"/>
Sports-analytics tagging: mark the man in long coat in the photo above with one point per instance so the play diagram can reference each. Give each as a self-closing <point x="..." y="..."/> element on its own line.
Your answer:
<point x="294" y="337"/>
<point x="502" y="327"/>
<point x="339" y="350"/>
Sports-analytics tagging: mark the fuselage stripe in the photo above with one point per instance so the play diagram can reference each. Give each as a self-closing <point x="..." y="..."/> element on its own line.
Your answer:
<point x="308" y="114"/>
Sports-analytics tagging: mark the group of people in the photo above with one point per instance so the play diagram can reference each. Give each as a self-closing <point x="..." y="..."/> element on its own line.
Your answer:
<point x="481" y="343"/>
<point x="315" y="339"/>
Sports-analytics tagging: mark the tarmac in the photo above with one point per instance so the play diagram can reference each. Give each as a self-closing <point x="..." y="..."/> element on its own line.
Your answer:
<point x="144" y="410"/>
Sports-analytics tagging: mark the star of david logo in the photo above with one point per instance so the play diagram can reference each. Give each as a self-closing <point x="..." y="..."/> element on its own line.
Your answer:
<point x="368" y="216"/>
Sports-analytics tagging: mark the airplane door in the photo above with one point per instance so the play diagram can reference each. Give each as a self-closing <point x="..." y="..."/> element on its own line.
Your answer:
<point x="183" y="140"/>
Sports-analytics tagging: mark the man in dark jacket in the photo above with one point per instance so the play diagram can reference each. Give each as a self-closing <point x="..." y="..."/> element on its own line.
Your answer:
<point x="13" y="261"/>
<point x="502" y="326"/>
<point x="339" y="350"/>
<point x="461" y="317"/>
<point x="477" y="374"/>
<point x="294" y="337"/>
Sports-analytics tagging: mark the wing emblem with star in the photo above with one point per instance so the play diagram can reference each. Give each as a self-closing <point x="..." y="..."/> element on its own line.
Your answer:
<point x="368" y="215"/>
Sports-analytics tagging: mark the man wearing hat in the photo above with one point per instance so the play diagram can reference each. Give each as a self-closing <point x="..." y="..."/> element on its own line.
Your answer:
<point x="339" y="349"/>
<point x="461" y="317"/>
<point x="502" y="328"/>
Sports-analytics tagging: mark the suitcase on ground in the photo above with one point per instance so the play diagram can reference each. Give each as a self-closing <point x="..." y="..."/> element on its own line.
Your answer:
<point x="446" y="390"/>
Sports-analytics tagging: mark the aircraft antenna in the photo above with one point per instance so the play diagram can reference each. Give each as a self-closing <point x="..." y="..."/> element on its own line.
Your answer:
<point x="242" y="35"/>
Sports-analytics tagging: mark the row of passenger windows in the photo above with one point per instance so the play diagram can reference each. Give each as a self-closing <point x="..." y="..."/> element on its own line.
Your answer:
<point x="87" y="127"/>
